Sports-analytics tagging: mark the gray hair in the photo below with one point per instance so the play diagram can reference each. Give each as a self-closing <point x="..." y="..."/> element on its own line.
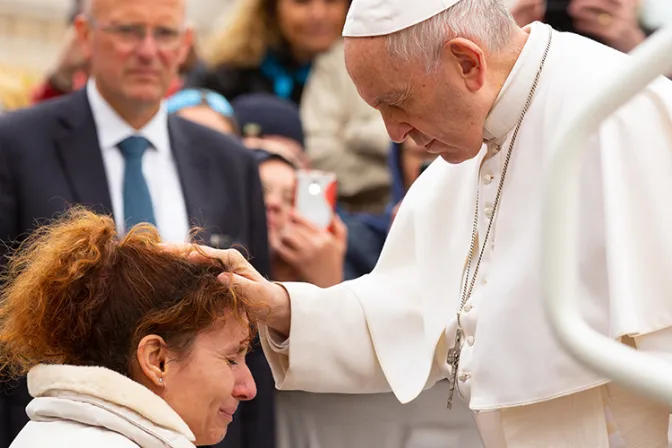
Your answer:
<point x="487" y="22"/>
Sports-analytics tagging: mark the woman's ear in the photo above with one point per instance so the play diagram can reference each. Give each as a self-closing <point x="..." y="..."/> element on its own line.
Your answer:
<point x="152" y="358"/>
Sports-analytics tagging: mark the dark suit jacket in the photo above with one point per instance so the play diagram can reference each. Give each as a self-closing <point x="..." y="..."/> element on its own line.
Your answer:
<point x="50" y="159"/>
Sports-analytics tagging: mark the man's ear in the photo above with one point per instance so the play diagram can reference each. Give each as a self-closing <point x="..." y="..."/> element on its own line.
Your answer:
<point x="468" y="60"/>
<point x="187" y="44"/>
<point x="152" y="357"/>
<point x="83" y="33"/>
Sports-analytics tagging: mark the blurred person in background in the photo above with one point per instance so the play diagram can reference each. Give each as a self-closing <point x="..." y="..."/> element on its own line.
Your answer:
<point x="346" y="136"/>
<point x="615" y="23"/>
<point x="293" y="49"/>
<point x="270" y="46"/>
<point x="300" y="251"/>
<point x="273" y="124"/>
<point x="124" y="344"/>
<point x="205" y="107"/>
<point x="112" y="146"/>
<point x="272" y="129"/>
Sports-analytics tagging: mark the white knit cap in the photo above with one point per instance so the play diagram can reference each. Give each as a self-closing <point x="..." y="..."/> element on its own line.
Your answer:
<point x="368" y="18"/>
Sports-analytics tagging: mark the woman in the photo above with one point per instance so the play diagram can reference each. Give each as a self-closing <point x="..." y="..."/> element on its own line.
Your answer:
<point x="293" y="49"/>
<point x="125" y="344"/>
<point x="269" y="46"/>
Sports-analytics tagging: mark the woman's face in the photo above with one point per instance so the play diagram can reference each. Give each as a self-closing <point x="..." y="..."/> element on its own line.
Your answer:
<point x="278" y="179"/>
<point x="206" y="385"/>
<point x="311" y="26"/>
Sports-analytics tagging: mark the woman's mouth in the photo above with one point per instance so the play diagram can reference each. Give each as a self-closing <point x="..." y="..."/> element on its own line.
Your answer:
<point x="228" y="413"/>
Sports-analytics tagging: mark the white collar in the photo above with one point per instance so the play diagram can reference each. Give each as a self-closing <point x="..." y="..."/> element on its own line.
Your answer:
<point x="512" y="98"/>
<point x="105" y="387"/>
<point x="112" y="129"/>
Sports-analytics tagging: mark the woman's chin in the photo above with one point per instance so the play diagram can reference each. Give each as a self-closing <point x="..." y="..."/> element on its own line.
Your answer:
<point x="211" y="440"/>
<point x="215" y="435"/>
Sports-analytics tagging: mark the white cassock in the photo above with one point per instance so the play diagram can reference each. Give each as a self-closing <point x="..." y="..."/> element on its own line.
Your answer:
<point x="391" y="330"/>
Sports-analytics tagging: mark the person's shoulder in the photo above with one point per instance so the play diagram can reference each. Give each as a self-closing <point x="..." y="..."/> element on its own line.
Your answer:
<point x="38" y="116"/>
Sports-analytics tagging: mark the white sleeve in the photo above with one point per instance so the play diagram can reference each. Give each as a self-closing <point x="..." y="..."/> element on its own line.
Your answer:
<point x="362" y="336"/>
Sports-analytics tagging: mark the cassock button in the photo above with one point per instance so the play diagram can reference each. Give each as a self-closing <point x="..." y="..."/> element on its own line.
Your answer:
<point x="470" y="340"/>
<point x="464" y="377"/>
<point x="488" y="212"/>
<point x="487" y="178"/>
<point x="467" y="308"/>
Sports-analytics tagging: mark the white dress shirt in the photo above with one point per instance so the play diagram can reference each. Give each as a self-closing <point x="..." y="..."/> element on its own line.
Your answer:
<point x="392" y="328"/>
<point x="158" y="166"/>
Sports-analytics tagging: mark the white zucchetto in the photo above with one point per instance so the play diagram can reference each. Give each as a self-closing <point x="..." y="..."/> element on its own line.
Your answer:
<point x="369" y="18"/>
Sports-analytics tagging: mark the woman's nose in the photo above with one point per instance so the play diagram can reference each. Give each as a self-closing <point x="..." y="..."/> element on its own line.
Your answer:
<point x="245" y="388"/>
<point x="318" y="9"/>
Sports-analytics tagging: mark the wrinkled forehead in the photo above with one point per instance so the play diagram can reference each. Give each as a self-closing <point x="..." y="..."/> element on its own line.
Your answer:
<point x="141" y="11"/>
<point x="375" y="73"/>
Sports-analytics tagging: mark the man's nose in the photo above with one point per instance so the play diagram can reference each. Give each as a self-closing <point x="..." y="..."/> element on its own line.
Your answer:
<point x="148" y="47"/>
<point x="398" y="131"/>
<point x="245" y="388"/>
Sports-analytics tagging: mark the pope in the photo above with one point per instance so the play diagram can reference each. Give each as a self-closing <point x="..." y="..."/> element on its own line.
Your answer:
<point x="457" y="291"/>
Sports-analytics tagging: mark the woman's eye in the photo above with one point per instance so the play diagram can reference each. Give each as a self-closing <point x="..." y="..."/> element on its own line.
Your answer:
<point x="232" y="362"/>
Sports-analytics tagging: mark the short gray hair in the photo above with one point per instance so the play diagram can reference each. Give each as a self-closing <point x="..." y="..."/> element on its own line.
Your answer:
<point x="487" y="22"/>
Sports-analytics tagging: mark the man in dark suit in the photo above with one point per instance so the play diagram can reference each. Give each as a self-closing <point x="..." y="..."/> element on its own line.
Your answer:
<point x="113" y="148"/>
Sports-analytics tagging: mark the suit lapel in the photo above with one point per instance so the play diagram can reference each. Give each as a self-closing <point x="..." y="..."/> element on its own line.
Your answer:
<point x="79" y="151"/>
<point x="193" y="170"/>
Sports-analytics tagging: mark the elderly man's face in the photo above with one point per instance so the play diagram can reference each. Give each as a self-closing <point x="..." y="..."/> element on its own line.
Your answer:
<point x="444" y="111"/>
<point x="136" y="47"/>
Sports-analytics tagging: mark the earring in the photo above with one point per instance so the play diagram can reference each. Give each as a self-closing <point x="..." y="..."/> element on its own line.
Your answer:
<point x="161" y="380"/>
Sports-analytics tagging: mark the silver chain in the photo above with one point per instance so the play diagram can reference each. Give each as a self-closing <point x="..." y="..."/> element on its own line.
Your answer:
<point x="469" y="284"/>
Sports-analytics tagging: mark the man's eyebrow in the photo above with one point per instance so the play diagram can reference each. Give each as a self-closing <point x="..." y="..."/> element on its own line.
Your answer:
<point x="388" y="98"/>
<point x="391" y="98"/>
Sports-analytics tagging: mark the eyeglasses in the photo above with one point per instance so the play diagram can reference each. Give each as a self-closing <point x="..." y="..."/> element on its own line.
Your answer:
<point x="165" y="38"/>
<point x="199" y="97"/>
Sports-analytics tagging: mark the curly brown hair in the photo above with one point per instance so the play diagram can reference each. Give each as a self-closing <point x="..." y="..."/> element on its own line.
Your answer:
<point x="77" y="293"/>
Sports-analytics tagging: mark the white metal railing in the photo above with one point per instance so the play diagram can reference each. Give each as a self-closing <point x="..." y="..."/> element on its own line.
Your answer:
<point x="642" y="372"/>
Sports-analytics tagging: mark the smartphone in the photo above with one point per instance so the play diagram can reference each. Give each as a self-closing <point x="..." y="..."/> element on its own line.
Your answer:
<point x="315" y="196"/>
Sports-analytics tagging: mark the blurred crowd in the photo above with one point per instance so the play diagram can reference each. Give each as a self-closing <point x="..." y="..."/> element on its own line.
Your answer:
<point x="266" y="95"/>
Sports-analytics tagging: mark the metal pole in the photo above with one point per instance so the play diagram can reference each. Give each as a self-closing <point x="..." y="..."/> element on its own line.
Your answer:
<point x="646" y="374"/>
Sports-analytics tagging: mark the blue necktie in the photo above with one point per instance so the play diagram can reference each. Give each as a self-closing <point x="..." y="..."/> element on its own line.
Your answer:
<point x="137" y="201"/>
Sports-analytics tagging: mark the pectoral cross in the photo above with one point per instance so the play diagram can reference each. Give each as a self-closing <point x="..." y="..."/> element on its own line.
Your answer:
<point x="454" y="361"/>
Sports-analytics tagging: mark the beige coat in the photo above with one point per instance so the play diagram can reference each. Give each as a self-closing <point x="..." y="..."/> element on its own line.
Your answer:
<point x="93" y="407"/>
<point x="345" y="135"/>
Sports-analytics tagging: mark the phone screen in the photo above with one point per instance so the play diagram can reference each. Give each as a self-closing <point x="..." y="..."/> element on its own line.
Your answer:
<point x="315" y="196"/>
